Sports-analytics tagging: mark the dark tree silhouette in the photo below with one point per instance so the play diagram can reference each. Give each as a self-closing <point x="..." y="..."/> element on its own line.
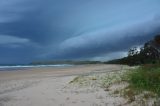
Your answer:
<point x="133" y="51"/>
<point x="149" y="53"/>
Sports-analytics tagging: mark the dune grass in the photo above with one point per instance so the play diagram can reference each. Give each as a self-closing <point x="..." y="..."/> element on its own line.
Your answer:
<point x="146" y="77"/>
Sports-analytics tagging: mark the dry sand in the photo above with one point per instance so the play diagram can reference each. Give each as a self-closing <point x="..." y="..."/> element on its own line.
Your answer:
<point x="50" y="87"/>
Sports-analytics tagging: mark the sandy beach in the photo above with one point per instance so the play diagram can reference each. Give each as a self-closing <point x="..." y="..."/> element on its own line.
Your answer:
<point x="53" y="87"/>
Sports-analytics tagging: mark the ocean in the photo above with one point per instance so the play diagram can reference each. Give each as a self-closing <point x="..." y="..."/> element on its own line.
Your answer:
<point x="23" y="67"/>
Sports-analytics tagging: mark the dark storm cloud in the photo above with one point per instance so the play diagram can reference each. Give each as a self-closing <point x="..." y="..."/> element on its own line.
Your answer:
<point x="100" y="42"/>
<point x="71" y="29"/>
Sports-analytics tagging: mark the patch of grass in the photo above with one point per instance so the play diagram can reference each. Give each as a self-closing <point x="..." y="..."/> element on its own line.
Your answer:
<point x="130" y="94"/>
<point x="116" y="92"/>
<point x="146" y="77"/>
<point x="75" y="80"/>
<point x="98" y="80"/>
<point x="83" y="81"/>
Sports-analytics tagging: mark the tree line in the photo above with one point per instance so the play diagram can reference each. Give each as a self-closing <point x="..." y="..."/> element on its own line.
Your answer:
<point x="148" y="54"/>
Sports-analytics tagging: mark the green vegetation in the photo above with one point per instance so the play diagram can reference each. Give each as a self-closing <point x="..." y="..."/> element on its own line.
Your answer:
<point x="139" y="86"/>
<point x="144" y="81"/>
<point x="146" y="77"/>
<point x="148" y="54"/>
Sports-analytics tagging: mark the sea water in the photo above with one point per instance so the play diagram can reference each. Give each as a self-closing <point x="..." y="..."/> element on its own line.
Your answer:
<point x="22" y="67"/>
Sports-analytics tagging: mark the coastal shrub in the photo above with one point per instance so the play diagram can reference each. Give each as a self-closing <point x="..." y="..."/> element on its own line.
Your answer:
<point x="146" y="77"/>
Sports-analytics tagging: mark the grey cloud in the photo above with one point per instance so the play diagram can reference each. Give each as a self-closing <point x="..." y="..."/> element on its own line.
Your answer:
<point x="13" y="10"/>
<point x="110" y="56"/>
<point x="74" y="29"/>
<point x="6" y="39"/>
<point x="9" y="41"/>
<point x="107" y="41"/>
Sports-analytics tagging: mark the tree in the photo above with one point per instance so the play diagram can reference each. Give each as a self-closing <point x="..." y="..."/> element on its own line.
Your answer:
<point x="149" y="53"/>
<point x="157" y="39"/>
<point x="133" y="51"/>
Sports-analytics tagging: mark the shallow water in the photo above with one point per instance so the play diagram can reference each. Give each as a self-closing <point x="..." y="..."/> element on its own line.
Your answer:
<point x="24" y="67"/>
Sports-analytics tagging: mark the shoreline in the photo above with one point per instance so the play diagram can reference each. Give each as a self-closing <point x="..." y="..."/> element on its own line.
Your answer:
<point x="51" y="86"/>
<point x="58" y="71"/>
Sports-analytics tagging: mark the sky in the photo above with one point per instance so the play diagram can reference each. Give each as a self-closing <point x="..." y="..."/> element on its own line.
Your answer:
<point x="41" y="30"/>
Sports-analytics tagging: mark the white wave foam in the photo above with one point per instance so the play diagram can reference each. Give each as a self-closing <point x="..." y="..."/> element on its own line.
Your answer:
<point x="32" y="66"/>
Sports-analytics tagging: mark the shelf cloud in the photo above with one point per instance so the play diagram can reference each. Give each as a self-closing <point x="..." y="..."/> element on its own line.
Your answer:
<point x="73" y="29"/>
